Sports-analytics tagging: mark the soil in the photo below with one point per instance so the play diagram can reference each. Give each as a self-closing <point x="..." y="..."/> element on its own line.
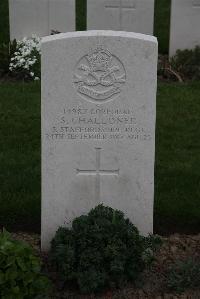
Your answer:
<point x="153" y="281"/>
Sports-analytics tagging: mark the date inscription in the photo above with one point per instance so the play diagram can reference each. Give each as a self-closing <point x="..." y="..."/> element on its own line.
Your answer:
<point x="78" y="123"/>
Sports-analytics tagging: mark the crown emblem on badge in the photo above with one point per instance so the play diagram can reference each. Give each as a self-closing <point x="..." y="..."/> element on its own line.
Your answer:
<point x="99" y="59"/>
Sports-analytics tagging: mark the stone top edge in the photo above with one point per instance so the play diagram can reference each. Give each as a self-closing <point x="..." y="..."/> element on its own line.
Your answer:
<point x="97" y="33"/>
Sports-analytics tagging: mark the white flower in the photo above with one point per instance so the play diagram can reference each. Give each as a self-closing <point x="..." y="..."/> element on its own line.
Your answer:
<point x="31" y="62"/>
<point x="28" y="52"/>
<point x="25" y="56"/>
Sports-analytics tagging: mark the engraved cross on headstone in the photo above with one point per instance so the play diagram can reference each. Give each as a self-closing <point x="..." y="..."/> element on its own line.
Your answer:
<point x="121" y="5"/>
<point x="97" y="172"/>
<point x="196" y="3"/>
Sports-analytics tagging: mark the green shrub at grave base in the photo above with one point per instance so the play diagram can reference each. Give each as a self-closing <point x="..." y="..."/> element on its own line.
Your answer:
<point x="187" y="63"/>
<point x="20" y="271"/>
<point x="102" y="249"/>
<point x="184" y="275"/>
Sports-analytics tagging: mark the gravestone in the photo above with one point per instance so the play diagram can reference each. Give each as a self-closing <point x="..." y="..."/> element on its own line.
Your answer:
<point x="126" y="15"/>
<point x="98" y="126"/>
<point x="40" y="17"/>
<point x="185" y="24"/>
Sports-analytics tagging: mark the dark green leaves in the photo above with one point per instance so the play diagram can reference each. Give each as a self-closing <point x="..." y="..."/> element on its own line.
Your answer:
<point x="184" y="275"/>
<point x="20" y="270"/>
<point x="101" y="249"/>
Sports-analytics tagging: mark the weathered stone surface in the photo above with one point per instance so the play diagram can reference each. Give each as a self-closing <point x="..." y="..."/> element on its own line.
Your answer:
<point x="40" y="17"/>
<point x="98" y="126"/>
<point x="127" y="15"/>
<point x="185" y="24"/>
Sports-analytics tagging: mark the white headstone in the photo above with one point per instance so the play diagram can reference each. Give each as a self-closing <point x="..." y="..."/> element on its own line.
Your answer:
<point x="40" y="17"/>
<point x="185" y="25"/>
<point x="127" y="15"/>
<point x="98" y="126"/>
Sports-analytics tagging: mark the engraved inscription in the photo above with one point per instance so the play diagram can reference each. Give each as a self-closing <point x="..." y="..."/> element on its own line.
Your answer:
<point x="120" y="5"/>
<point x="81" y="123"/>
<point x="196" y="3"/>
<point x="97" y="172"/>
<point x="99" y="76"/>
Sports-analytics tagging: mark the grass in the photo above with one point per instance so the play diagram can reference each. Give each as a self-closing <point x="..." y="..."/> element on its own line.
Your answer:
<point x="161" y="24"/>
<point x="20" y="156"/>
<point x="177" y="176"/>
<point x="177" y="189"/>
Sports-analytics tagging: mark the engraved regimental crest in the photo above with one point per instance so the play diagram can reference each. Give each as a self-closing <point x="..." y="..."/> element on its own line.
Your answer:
<point x="99" y="76"/>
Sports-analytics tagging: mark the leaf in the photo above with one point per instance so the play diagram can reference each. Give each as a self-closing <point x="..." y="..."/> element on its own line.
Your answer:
<point x="21" y="263"/>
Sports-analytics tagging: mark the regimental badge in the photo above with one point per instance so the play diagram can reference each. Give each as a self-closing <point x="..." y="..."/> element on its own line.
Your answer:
<point x="99" y="76"/>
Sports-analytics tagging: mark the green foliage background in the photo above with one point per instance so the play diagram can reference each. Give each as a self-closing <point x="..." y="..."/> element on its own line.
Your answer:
<point x="187" y="63"/>
<point x="4" y="21"/>
<point x="20" y="271"/>
<point x="162" y="24"/>
<point x="184" y="275"/>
